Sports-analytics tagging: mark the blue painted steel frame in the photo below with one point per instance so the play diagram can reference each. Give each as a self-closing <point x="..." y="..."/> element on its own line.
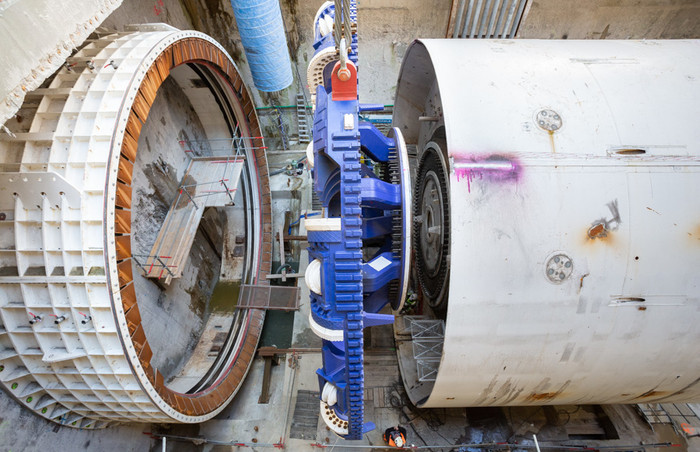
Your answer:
<point x="354" y="290"/>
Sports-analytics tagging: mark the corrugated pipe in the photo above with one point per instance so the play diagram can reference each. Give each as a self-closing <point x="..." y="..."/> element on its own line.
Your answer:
<point x="262" y="34"/>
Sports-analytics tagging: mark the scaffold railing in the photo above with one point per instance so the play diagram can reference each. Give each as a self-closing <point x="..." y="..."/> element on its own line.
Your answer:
<point x="211" y="180"/>
<point x="221" y="146"/>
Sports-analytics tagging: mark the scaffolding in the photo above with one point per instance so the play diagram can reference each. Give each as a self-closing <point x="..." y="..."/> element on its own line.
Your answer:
<point x="428" y="337"/>
<point x="209" y="181"/>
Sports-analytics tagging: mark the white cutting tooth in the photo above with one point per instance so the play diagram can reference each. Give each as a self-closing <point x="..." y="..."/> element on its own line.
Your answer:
<point x="323" y="26"/>
<point x="329" y="22"/>
<point x="324" y="393"/>
<point x="332" y="395"/>
<point x="329" y="394"/>
<point x="310" y="154"/>
<point x="312" y="275"/>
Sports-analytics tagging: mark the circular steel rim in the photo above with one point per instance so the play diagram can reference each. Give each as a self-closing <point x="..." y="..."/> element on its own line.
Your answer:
<point x="435" y="300"/>
<point x="407" y="214"/>
<point x="174" y="50"/>
<point x="432" y="215"/>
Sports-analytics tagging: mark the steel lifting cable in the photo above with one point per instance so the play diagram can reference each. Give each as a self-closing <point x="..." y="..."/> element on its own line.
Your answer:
<point x="347" y="23"/>
<point x="342" y="27"/>
<point x="338" y="23"/>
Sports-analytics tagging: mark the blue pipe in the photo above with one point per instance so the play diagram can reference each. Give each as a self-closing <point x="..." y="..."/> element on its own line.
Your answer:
<point x="262" y="35"/>
<point x="306" y="215"/>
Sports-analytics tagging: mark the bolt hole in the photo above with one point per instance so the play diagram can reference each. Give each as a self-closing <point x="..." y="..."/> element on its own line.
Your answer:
<point x="636" y="258"/>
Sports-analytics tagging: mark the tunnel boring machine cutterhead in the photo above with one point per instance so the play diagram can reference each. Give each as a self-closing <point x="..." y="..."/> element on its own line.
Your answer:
<point x="530" y="219"/>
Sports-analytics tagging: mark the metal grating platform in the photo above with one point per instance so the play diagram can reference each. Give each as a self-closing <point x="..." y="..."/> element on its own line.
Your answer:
<point x="305" y="418"/>
<point x="684" y="416"/>
<point x="280" y="298"/>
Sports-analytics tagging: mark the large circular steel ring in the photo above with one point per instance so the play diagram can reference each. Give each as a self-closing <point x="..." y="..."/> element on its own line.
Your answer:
<point x="66" y="250"/>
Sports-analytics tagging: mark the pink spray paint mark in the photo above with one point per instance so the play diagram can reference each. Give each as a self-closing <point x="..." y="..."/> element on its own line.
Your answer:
<point x="494" y="168"/>
<point x="156" y="9"/>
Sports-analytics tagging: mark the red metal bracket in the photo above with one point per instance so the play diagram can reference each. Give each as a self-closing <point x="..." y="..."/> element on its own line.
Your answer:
<point x="344" y="90"/>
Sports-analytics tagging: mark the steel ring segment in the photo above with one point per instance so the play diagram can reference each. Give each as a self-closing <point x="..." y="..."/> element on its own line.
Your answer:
<point x="339" y="249"/>
<point x="356" y="253"/>
<point x="185" y="50"/>
<point x="104" y="373"/>
<point x="432" y="228"/>
<point x="404" y="218"/>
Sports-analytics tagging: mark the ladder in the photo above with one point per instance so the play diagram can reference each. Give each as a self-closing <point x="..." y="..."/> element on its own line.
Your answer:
<point x="302" y="120"/>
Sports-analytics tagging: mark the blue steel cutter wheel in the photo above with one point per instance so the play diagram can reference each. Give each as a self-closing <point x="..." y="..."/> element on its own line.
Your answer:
<point x="358" y="248"/>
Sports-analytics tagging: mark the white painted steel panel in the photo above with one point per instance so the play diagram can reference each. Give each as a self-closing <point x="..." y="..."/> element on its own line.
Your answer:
<point x="58" y="256"/>
<point x="621" y="327"/>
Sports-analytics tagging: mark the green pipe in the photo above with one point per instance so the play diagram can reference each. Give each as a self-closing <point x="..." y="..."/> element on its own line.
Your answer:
<point x="278" y="106"/>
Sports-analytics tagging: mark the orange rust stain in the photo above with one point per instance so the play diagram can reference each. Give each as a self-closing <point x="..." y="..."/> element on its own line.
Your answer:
<point x="551" y="141"/>
<point x="542" y="397"/>
<point x="598" y="233"/>
<point x="695" y="235"/>
<point x="650" y="394"/>
<point x="580" y="286"/>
